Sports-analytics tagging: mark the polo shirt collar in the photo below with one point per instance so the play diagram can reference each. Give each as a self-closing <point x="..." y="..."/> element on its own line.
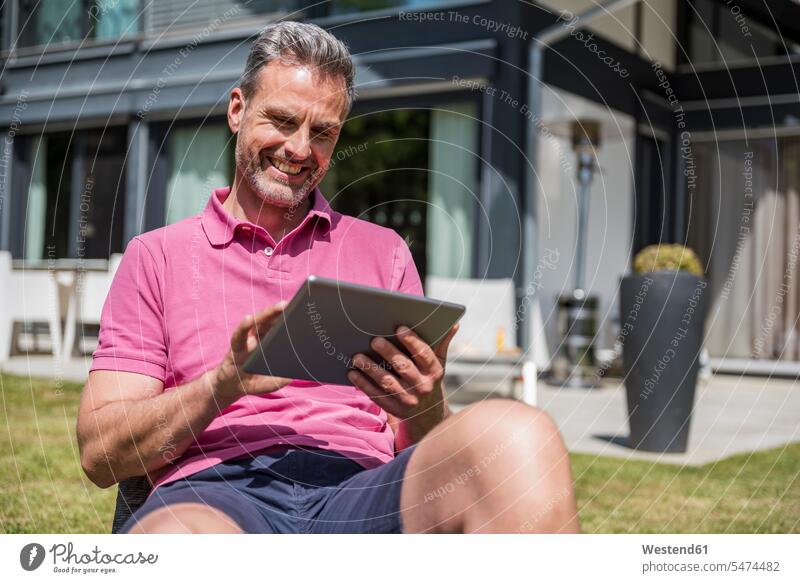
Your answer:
<point x="220" y="226"/>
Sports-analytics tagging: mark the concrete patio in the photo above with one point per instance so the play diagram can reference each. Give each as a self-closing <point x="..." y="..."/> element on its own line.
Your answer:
<point x="733" y="414"/>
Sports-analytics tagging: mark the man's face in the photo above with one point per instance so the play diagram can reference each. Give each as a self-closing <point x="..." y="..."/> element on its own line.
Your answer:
<point x="287" y="130"/>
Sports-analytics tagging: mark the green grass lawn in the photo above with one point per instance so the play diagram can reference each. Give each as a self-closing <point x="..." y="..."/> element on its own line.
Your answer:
<point x="43" y="489"/>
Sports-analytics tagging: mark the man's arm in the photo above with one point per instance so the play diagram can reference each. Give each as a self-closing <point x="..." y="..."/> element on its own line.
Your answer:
<point x="128" y="425"/>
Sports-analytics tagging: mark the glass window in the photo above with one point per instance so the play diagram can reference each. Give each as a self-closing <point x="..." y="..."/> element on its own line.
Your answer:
<point x="379" y="173"/>
<point x="452" y="188"/>
<point x="76" y="203"/>
<point x="59" y="151"/>
<point x="201" y="159"/>
<point x="414" y="171"/>
<point x="718" y="32"/>
<point x="350" y="6"/>
<point x="701" y="26"/>
<point x="36" y="213"/>
<point x="51" y="22"/>
<point x="99" y="206"/>
<point x="47" y="22"/>
<point x="5" y="42"/>
<point x="114" y="18"/>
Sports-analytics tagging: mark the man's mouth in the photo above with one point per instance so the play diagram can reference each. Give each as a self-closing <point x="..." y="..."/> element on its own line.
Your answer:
<point x="286" y="167"/>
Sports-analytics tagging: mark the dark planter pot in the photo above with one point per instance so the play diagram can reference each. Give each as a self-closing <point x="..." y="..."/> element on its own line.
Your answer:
<point x="661" y="328"/>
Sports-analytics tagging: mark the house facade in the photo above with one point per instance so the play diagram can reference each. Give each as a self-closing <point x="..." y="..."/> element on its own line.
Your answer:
<point x="113" y="121"/>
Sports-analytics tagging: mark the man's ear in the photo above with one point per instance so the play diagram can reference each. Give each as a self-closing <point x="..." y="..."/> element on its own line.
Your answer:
<point x="236" y="106"/>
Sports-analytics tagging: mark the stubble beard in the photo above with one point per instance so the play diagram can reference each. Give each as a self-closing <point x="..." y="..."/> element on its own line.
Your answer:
<point x="269" y="189"/>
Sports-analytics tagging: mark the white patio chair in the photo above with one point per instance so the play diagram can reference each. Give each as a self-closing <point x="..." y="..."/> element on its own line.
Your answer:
<point x="485" y="344"/>
<point x="90" y="295"/>
<point x="27" y="295"/>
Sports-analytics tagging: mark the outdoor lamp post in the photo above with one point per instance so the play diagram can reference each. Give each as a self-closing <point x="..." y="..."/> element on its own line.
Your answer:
<point x="585" y="140"/>
<point x="577" y="310"/>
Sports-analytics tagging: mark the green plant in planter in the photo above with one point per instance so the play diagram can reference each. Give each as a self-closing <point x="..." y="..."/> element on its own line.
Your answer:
<point x="663" y="305"/>
<point x="667" y="258"/>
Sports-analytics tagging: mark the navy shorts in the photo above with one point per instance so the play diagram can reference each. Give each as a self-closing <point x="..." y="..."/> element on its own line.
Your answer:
<point x="293" y="491"/>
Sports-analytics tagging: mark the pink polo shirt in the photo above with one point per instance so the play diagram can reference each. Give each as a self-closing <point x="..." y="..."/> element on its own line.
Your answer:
<point x="181" y="290"/>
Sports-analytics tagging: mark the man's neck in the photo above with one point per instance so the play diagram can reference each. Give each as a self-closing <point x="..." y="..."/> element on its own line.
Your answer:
<point x="243" y="204"/>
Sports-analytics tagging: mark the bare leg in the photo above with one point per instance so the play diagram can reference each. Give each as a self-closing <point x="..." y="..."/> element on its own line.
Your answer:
<point x="497" y="466"/>
<point x="186" y="518"/>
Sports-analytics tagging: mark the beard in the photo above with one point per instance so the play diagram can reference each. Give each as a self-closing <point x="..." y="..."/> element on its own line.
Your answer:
<point x="269" y="189"/>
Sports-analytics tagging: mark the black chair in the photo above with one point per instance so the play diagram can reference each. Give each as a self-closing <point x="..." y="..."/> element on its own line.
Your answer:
<point x="131" y="494"/>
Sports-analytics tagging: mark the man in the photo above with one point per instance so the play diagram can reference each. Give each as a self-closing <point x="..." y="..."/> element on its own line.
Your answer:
<point x="232" y="452"/>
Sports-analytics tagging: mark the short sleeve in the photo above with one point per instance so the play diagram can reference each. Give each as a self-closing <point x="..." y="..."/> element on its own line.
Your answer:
<point x="406" y="277"/>
<point x="132" y="337"/>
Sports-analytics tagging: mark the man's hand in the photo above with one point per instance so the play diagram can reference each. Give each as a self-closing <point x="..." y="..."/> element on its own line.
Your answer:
<point x="412" y="389"/>
<point x="229" y="379"/>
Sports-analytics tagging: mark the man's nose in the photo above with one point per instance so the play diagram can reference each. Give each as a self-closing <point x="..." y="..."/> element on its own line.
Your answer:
<point x="298" y="145"/>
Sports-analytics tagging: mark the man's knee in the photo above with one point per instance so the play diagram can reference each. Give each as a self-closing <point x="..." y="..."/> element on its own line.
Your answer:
<point x="501" y="430"/>
<point x="186" y="518"/>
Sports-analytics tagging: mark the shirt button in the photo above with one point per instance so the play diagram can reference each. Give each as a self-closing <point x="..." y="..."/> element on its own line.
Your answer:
<point x="268" y="251"/>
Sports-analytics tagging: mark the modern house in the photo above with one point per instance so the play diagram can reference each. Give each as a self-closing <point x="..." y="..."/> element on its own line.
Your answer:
<point x="113" y="121"/>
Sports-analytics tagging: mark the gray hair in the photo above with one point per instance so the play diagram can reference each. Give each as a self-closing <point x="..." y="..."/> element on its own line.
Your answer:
<point x="300" y="43"/>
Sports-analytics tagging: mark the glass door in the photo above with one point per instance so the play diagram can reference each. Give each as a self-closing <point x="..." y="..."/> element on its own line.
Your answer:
<point x="414" y="170"/>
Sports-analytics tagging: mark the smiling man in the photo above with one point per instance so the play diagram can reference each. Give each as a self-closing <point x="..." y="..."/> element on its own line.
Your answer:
<point x="227" y="451"/>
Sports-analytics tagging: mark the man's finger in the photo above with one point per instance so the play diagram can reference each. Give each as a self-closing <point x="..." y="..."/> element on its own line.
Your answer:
<point x="253" y="323"/>
<point x="266" y="318"/>
<point x="259" y="322"/>
<point x="444" y="344"/>
<point x="402" y="365"/>
<point x="385" y="401"/>
<point x="381" y="377"/>
<point x="421" y="352"/>
<point x="271" y="310"/>
<point x="239" y="337"/>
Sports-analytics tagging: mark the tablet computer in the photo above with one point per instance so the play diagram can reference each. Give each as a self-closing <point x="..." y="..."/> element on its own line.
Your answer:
<point x="328" y="321"/>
